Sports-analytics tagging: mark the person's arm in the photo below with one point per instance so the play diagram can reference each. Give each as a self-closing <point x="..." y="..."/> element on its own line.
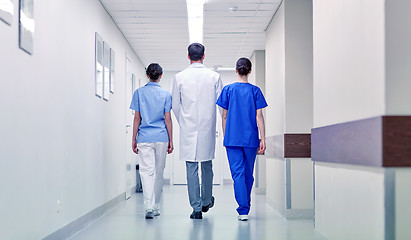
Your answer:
<point x="169" y="126"/>
<point x="176" y="100"/>
<point x="261" y="128"/>
<point x="224" y="119"/>
<point x="136" y="124"/>
<point x="218" y="89"/>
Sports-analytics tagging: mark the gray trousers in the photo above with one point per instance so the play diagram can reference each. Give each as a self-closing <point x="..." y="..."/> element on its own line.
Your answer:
<point x="193" y="184"/>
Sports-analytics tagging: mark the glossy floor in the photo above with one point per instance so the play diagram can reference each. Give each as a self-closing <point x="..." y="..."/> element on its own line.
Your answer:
<point x="127" y="221"/>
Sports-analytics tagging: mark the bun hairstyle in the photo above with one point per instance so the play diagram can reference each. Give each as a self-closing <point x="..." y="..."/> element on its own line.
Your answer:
<point x="243" y="66"/>
<point x="154" y="71"/>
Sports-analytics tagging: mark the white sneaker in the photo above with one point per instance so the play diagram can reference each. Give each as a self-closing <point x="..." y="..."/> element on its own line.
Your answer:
<point x="243" y="217"/>
<point x="156" y="212"/>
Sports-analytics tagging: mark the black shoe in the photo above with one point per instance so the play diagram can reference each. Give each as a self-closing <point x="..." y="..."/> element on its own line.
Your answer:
<point x="149" y="214"/>
<point x="205" y="208"/>
<point x="196" y="215"/>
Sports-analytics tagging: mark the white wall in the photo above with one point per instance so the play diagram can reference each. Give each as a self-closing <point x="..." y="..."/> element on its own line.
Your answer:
<point x="166" y="82"/>
<point x="275" y="89"/>
<point x="402" y="203"/>
<point x="361" y="59"/>
<point x="289" y="96"/>
<point x="276" y="184"/>
<point x="398" y="57"/>
<point x="302" y="183"/>
<point x="257" y="77"/>
<point x="289" y="69"/>
<point x="348" y="60"/>
<point x="275" y="74"/>
<point x="298" y="66"/>
<point x="227" y="77"/>
<point x="349" y="201"/>
<point x="59" y="141"/>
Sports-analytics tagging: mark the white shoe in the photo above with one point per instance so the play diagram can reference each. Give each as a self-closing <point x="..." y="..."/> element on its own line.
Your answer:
<point x="243" y="217"/>
<point x="156" y="212"/>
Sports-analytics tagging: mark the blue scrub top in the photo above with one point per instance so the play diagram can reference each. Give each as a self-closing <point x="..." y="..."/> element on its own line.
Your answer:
<point x="242" y="101"/>
<point x="152" y="102"/>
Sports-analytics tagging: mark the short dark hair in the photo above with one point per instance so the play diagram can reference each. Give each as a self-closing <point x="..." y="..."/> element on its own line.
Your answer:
<point x="196" y="51"/>
<point x="243" y="66"/>
<point x="154" y="71"/>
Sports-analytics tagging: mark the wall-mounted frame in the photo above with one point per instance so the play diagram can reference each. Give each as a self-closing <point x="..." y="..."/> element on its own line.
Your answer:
<point x="112" y="70"/>
<point x="106" y="67"/>
<point x="99" y="66"/>
<point x="133" y="85"/>
<point x="7" y="11"/>
<point x="26" y="25"/>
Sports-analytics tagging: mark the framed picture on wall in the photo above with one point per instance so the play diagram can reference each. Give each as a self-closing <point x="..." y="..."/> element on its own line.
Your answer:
<point x="26" y="25"/>
<point x="112" y="70"/>
<point x="106" y="70"/>
<point x="7" y="11"/>
<point x="133" y="85"/>
<point x="99" y="66"/>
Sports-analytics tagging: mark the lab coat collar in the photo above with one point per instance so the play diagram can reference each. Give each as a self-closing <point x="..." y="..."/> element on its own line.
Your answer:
<point x="153" y="83"/>
<point x="197" y="65"/>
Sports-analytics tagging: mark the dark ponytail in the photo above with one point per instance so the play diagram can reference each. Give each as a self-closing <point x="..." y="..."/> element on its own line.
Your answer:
<point x="154" y="71"/>
<point x="243" y="66"/>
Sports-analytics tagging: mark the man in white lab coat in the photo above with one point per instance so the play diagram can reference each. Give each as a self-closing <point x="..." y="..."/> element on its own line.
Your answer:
<point x="195" y="92"/>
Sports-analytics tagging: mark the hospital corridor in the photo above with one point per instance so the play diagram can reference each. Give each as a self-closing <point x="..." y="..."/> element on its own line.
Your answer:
<point x="205" y="119"/>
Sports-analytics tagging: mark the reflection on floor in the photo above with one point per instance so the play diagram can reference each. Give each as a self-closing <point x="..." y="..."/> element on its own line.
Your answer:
<point x="127" y="221"/>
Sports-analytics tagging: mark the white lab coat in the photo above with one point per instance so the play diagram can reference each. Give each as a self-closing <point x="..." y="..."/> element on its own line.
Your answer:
<point x="195" y="92"/>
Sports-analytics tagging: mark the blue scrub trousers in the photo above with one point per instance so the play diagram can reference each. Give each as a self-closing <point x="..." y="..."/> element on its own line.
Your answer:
<point x="241" y="160"/>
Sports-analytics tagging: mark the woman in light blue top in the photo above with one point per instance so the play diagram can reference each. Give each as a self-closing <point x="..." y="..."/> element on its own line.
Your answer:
<point x="152" y="136"/>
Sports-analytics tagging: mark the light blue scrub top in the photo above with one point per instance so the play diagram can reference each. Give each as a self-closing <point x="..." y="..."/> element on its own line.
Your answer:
<point x="152" y="102"/>
<point x="242" y="101"/>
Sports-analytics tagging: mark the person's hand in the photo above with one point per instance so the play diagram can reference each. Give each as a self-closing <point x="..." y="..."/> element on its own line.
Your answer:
<point x="170" y="147"/>
<point x="134" y="146"/>
<point x="261" y="149"/>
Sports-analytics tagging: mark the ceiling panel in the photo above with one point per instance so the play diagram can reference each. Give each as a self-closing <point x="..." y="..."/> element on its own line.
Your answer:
<point x="157" y="30"/>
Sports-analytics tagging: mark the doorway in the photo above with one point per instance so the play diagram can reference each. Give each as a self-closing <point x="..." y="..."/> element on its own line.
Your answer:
<point x="132" y="159"/>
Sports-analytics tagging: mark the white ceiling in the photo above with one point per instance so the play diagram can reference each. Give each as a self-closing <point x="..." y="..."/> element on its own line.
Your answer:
<point x="157" y="30"/>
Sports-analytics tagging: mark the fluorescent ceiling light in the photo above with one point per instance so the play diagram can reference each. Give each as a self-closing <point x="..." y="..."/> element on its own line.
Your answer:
<point x="195" y="10"/>
<point x="225" y="69"/>
<point x="196" y="2"/>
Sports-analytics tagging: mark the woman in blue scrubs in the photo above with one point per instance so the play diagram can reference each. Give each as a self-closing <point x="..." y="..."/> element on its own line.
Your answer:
<point x="242" y="105"/>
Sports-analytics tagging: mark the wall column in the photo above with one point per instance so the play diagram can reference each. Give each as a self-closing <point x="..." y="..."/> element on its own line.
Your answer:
<point x="361" y="138"/>
<point x="257" y="77"/>
<point x="289" y="114"/>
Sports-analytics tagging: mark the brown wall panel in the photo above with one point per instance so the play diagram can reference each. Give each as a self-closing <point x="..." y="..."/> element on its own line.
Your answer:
<point x="383" y="141"/>
<point x="397" y="141"/>
<point x="296" y="145"/>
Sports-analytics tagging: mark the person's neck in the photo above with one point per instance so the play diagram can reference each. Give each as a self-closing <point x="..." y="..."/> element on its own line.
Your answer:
<point x="198" y="61"/>
<point x="154" y="81"/>
<point x="242" y="78"/>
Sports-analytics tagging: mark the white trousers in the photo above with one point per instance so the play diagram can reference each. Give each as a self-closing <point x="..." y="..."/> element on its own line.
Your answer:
<point x="152" y="164"/>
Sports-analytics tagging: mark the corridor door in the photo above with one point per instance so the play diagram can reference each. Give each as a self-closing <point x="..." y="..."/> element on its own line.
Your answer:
<point x="131" y="158"/>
